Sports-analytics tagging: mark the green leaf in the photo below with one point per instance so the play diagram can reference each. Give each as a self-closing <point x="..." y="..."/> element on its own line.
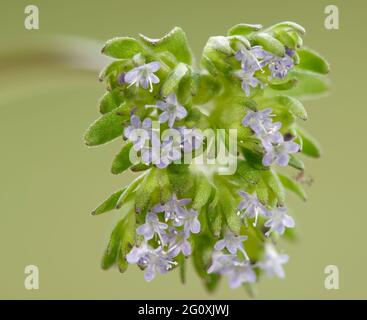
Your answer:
<point x="292" y="105"/>
<point x="310" y="146"/>
<point x="113" y="68"/>
<point x="130" y="189"/>
<point x="298" y="39"/>
<point x="275" y="184"/>
<point x="254" y="159"/>
<point x="310" y="85"/>
<point x="243" y="41"/>
<point x="268" y="43"/>
<point x="173" y="79"/>
<point x="122" y="160"/>
<point x="296" y="163"/>
<point x="248" y="173"/>
<point x="262" y="191"/>
<point x="181" y="180"/>
<point x="293" y="186"/>
<point x="203" y="192"/>
<point x="121" y="241"/>
<point x="219" y="44"/>
<point x="214" y="219"/>
<point x="201" y="258"/>
<point x="110" y="101"/>
<point x="146" y="189"/>
<point x="288" y="25"/>
<point x="122" y="48"/>
<point x="312" y="61"/>
<point x="109" y="204"/>
<point x="139" y="167"/>
<point x="107" y="127"/>
<point x="244" y="29"/>
<point x="229" y="209"/>
<point x="207" y="88"/>
<point x="285" y="38"/>
<point x="175" y="42"/>
<point x="286" y="85"/>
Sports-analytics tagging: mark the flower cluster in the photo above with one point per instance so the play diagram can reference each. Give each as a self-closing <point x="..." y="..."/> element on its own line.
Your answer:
<point x="171" y="236"/>
<point x="277" y="149"/>
<point x="240" y="270"/>
<point x="255" y="59"/>
<point x="251" y="207"/>
<point x="163" y="105"/>
<point x="163" y="151"/>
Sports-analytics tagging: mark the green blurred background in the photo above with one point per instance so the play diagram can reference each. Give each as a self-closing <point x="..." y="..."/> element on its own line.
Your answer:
<point x="50" y="181"/>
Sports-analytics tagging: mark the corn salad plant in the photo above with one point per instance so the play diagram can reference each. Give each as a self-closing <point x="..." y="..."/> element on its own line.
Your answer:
<point x="252" y="81"/>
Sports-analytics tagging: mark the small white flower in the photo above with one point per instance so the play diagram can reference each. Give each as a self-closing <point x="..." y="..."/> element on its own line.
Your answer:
<point x="143" y="75"/>
<point x="250" y="206"/>
<point x="232" y="243"/>
<point x="273" y="261"/>
<point x="278" y="221"/>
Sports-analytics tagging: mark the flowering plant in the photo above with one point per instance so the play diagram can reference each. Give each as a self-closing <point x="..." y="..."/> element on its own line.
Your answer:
<point x="251" y="81"/>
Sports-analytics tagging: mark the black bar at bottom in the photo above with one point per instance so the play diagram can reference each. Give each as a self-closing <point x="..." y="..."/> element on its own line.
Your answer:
<point x="181" y="309"/>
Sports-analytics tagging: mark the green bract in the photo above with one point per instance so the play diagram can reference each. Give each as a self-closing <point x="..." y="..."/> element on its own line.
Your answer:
<point x="159" y="79"/>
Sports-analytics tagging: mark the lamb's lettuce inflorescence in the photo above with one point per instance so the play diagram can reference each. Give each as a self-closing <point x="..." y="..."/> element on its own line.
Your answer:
<point x="252" y="80"/>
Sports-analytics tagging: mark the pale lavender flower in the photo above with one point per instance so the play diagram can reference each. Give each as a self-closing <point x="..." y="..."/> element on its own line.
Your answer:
<point x="265" y="129"/>
<point x="192" y="138"/>
<point x="173" y="208"/>
<point x="221" y="262"/>
<point x="172" y="110"/>
<point x="232" y="243"/>
<point x="137" y="253"/>
<point x="258" y="121"/>
<point x="271" y="136"/>
<point x="272" y="262"/>
<point x="252" y="59"/>
<point x="179" y="243"/>
<point x="138" y="132"/>
<point x="170" y="152"/>
<point x="152" y="260"/>
<point x="280" y="66"/>
<point x="152" y="226"/>
<point x="248" y="80"/>
<point x="240" y="273"/>
<point x="143" y="75"/>
<point x="150" y="152"/>
<point x="279" y="153"/>
<point x="251" y="207"/>
<point x="279" y="220"/>
<point x="237" y="271"/>
<point x="189" y="220"/>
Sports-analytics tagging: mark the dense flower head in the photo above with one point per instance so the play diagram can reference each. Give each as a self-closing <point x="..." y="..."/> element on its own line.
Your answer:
<point x="165" y="107"/>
